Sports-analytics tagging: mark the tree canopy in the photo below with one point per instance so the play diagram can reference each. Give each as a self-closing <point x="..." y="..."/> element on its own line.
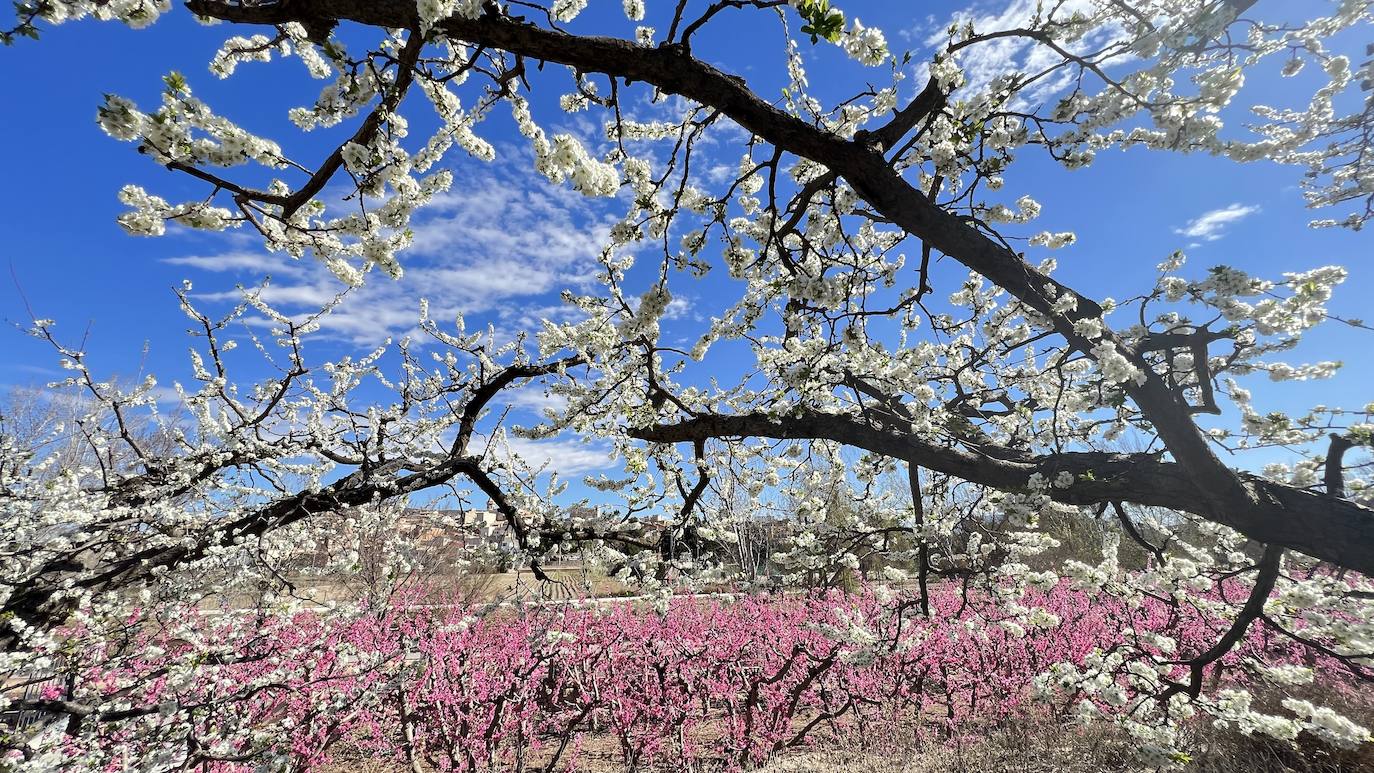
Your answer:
<point x="890" y="321"/>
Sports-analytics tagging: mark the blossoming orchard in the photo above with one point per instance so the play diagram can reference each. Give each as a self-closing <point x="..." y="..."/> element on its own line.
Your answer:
<point x="877" y="464"/>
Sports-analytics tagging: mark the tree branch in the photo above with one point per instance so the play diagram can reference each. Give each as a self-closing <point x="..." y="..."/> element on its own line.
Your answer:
<point x="1335" y="530"/>
<point x="1218" y="492"/>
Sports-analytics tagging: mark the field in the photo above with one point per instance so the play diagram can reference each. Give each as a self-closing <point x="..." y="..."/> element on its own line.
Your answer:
<point x="774" y="682"/>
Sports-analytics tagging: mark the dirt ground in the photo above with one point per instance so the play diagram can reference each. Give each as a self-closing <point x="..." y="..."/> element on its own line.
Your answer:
<point x="1043" y="748"/>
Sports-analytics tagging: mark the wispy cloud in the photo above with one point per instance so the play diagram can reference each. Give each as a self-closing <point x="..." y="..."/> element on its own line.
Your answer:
<point x="984" y="62"/>
<point x="497" y="246"/>
<point x="38" y="370"/>
<point x="1211" y="225"/>
<point x="255" y="262"/>
<point x="536" y="399"/>
<point x="678" y="308"/>
<point x="567" y="457"/>
<point x="563" y="456"/>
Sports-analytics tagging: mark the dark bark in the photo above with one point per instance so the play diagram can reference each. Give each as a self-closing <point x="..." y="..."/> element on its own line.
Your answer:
<point x="41" y="604"/>
<point x="913" y="474"/>
<point x="1336" y="530"/>
<point x="1199" y="482"/>
<point x="1334" y="476"/>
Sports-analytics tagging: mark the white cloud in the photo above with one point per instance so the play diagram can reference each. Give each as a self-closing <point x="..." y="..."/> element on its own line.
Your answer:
<point x="167" y="395"/>
<point x="40" y="370"/>
<point x="535" y="398"/>
<point x="566" y="457"/>
<point x="529" y="316"/>
<point x="989" y="59"/>
<point x="498" y="246"/>
<point x="678" y="308"/>
<point x="721" y="173"/>
<point x="1210" y="226"/>
<point x="233" y="261"/>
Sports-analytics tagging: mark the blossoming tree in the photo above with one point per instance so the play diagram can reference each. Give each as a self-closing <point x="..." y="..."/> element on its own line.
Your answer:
<point x="999" y="408"/>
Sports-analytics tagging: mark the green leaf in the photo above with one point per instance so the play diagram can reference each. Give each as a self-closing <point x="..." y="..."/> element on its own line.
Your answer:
<point x="176" y="83"/>
<point x="822" y="21"/>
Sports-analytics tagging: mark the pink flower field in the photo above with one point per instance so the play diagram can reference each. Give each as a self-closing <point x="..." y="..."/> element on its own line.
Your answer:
<point x="701" y="683"/>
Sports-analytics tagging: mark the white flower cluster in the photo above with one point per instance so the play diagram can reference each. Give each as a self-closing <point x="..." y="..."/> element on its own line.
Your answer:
<point x="859" y="642"/>
<point x="644" y="322"/>
<point x="567" y="10"/>
<point x="1288" y="674"/>
<point x="946" y="71"/>
<point x="185" y="130"/>
<point x="1054" y="241"/>
<point x="257" y="48"/>
<point x="1233" y="707"/>
<point x="431" y="12"/>
<point x="135" y="13"/>
<point x="865" y="45"/>
<point x="1281" y="371"/>
<point x="1114" y="366"/>
<point x="150" y="213"/>
<point x="564" y="159"/>
<point x="1327" y="724"/>
<point x="1027" y="209"/>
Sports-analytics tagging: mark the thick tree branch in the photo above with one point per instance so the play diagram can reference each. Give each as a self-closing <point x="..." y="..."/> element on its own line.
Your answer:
<point x="1335" y="530"/>
<point x="1335" y="476"/>
<point x="43" y="603"/>
<point x="1218" y="493"/>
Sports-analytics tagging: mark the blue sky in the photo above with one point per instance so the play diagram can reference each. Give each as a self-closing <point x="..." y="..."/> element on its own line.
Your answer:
<point x="502" y="245"/>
